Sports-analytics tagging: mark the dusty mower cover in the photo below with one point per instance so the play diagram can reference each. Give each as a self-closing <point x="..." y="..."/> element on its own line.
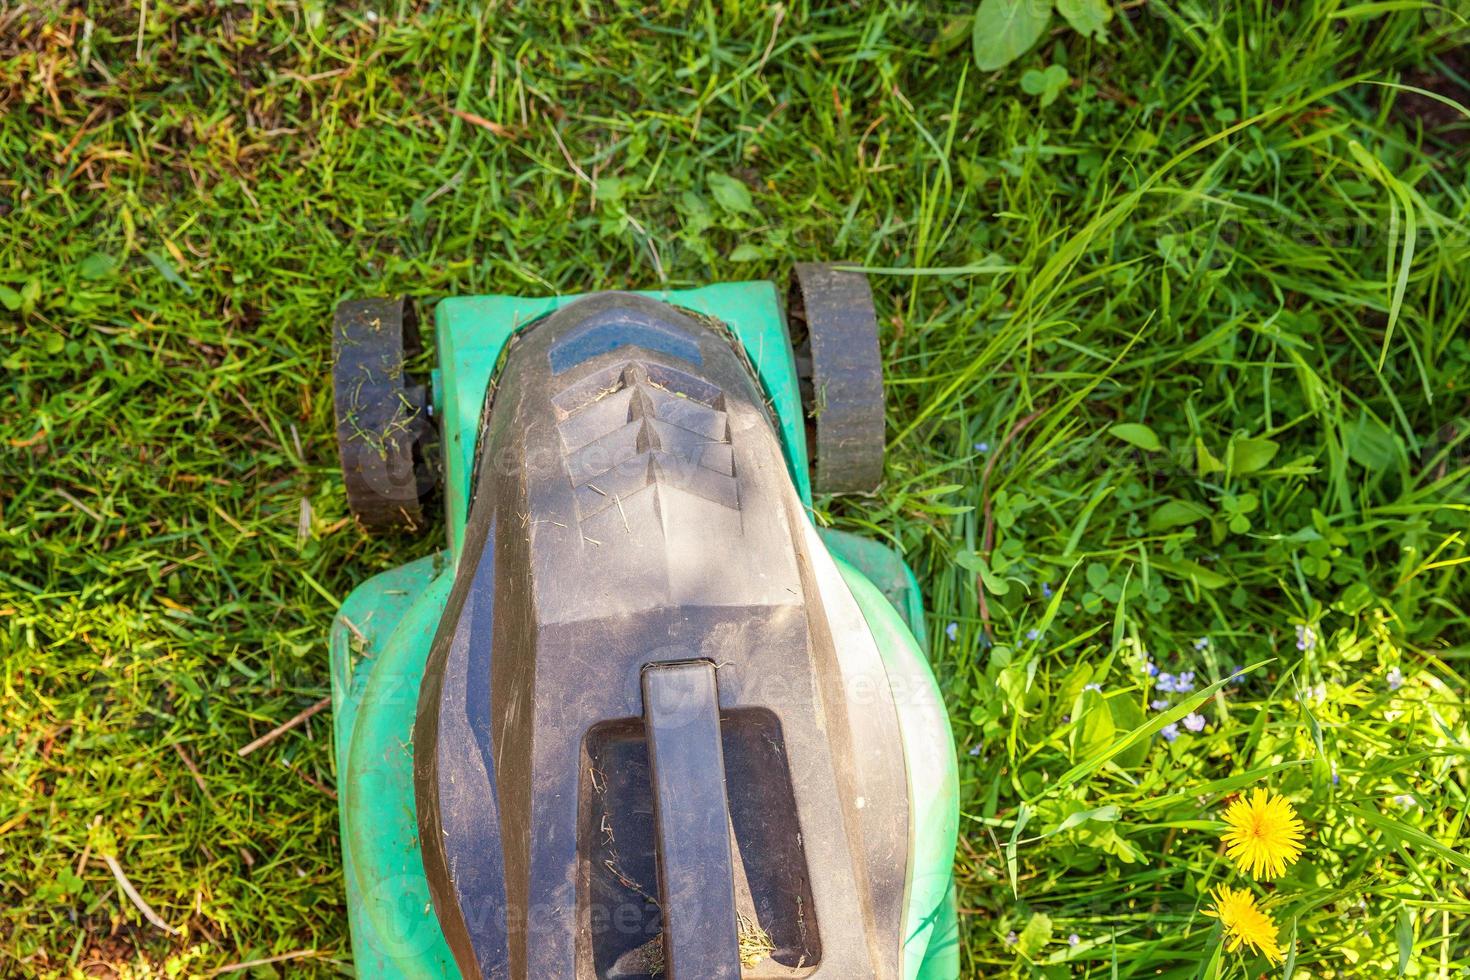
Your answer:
<point x="641" y="719"/>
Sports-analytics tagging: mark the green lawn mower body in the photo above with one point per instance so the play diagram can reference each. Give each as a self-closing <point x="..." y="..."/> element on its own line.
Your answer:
<point x="641" y="717"/>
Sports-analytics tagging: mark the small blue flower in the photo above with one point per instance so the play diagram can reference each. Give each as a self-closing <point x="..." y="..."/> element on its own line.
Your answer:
<point x="1395" y="678"/>
<point x="1335" y="778"/>
<point x="1165" y="683"/>
<point x="1170" y="732"/>
<point x="1406" y="800"/>
<point x="1306" y="639"/>
<point x="1150" y="667"/>
<point x="952" y="631"/>
<point x="1092" y="687"/>
<point x="1032" y="634"/>
<point x="1201" y="643"/>
<point x="1011" y="938"/>
<point x="1184" y="683"/>
<point x="1046" y="590"/>
<point x="1194" y="721"/>
<point x="975" y="750"/>
<point x="1073" y="939"/>
<point x="1237" y="674"/>
<point x="982" y="447"/>
<point x="1159" y="704"/>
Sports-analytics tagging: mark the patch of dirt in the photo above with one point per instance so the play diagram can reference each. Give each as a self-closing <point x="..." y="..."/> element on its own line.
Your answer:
<point x="1439" y="121"/>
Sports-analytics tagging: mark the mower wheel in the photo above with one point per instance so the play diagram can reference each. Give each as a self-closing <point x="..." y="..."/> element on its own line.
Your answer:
<point x="386" y="437"/>
<point x="834" y="331"/>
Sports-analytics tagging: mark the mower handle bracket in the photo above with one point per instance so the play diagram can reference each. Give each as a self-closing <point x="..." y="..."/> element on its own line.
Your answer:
<point x="681" y="713"/>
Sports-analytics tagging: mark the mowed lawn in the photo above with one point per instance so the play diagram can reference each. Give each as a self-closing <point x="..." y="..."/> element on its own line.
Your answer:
<point x="1178" y="384"/>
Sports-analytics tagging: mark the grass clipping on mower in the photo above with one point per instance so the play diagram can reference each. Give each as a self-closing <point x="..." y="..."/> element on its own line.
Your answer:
<point x="648" y="959"/>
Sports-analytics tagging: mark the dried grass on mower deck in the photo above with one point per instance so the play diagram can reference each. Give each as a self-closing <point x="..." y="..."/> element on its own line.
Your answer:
<point x="648" y="959"/>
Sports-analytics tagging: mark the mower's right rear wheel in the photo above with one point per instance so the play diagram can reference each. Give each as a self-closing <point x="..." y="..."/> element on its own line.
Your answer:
<point x="834" y="333"/>
<point x="386" y="437"/>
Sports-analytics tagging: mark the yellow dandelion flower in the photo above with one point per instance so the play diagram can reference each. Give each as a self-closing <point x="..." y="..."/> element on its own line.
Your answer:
<point x="1264" y="836"/>
<point x="1245" y="923"/>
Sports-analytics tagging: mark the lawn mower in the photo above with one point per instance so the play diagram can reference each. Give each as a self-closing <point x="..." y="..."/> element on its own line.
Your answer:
<point x="641" y="717"/>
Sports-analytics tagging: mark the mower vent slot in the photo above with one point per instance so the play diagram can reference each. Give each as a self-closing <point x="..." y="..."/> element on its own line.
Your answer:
<point x="615" y="844"/>
<point x="637" y="425"/>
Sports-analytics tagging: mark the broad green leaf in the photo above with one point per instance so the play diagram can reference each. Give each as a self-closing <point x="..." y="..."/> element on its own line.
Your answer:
<point x="994" y="584"/>
<point x="30" y="295"/>
<point x="1096" y="761"/>
<point x="951" y="32"/>
<point x="1087" y="17"/>
<point x="1404" y="933"/>
<point x="1013" y="682"/>
<point x="1035" y="936"/>
<point x="611" y="190"/>
<point x="1211" y="969"/>
<point x="98" y="265"/>
<point x="1371" y="445"/>
<point x="1077" y="680"/>
<point x="1174" y="513"/>
<point x="1108" y="840"/>
<point x="1250" y="455"/>
<point x="731" y="194"/>
<point x="1127" y="715"/>
<point x="1105" y="814"/>
<point x="1191" y="571"/>
<point x="1097" y="729"/>
<point x="1006" y="29"/>
<point x="1206" y="461"/>
<point x="697" y="213"/>
<point x="1354" y="599"/>
<point x="1137" y="434"/>
<point x="970" y="561"/>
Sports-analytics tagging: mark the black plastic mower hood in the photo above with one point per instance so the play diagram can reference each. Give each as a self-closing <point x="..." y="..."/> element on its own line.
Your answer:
<point x="642" y="743"/>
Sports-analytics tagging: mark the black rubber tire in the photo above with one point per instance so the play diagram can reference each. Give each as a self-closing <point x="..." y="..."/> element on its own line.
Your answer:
<point x="386" y="437"/>
<point x="834" y="333"/>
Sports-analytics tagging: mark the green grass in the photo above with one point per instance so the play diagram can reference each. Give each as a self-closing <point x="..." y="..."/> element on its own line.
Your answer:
<point x="1226" y="229"/>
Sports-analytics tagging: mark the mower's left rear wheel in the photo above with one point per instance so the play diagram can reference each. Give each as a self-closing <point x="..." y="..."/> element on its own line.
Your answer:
<point x="386" y="436"/>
